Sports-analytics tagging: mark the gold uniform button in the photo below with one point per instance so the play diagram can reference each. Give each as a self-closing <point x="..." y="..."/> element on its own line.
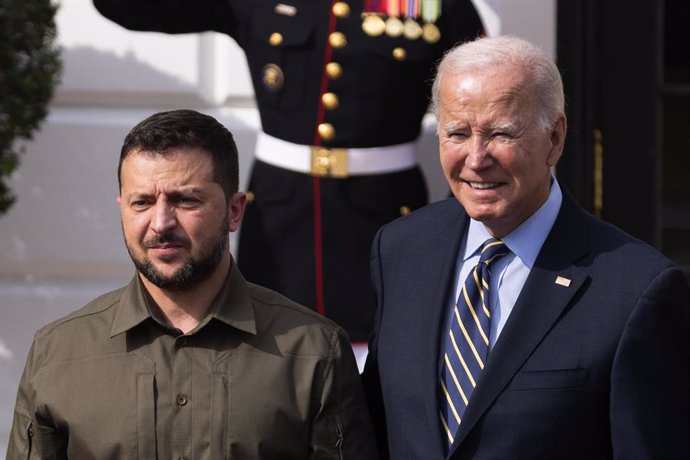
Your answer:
<point x="250" y="197"/>
<point x="275" y="39"/>
<point x="341" y="9"/>
<point x="399" y="53"/>
<point x="404" y="210"/>
<point x="334" y="70"/>
<point x="326" y="131"/>
<point x="330" y="101"/>
<point x="337" y="40"/>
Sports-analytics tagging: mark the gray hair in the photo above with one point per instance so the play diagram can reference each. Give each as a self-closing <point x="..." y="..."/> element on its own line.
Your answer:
<point x="501" y="51"/>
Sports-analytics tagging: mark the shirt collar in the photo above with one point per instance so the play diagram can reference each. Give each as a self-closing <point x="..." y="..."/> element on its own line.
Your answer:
<point x="233" y="305"/>
<point x="526" y="240"/>
<point x="132" y="309"/>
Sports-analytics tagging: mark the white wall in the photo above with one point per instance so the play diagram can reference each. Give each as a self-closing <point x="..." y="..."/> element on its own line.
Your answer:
<point x="60" y="245"/>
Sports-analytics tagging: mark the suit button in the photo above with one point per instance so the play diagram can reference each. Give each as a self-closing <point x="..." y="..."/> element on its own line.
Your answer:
<point x="275" y="39"/>
<point x="400" y="54"/>
<point x="404" y="210"/>
<point x="330" y="101"/>
<point x="334" y="70"/>
<point x="337" y="40"/>
<point x="341" y="9"/>
<point x="326" y="131"/>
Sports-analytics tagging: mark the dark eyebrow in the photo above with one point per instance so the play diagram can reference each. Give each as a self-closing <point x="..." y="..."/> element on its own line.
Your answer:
<point x="184" y="193"/>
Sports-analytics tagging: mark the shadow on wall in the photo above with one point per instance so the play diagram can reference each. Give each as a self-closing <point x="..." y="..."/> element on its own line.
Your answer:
<point x="96" y="77"/>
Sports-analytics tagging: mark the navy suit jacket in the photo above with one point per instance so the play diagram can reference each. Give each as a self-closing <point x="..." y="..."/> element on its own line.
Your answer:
<point x="594" y="369"/>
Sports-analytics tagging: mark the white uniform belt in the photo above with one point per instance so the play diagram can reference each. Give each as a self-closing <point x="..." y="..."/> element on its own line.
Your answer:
<point x="335" y="162"/>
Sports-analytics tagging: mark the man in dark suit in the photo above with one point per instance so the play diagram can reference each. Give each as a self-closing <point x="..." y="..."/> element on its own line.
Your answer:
<point x="577" y="346"/>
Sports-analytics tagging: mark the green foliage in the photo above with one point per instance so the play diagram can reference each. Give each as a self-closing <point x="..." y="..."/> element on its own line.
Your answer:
<point x="30" y="69"/>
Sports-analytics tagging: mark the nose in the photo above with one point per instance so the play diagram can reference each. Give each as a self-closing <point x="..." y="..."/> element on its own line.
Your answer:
<point x="163" y="218"/>
<point x="478" y="156"/>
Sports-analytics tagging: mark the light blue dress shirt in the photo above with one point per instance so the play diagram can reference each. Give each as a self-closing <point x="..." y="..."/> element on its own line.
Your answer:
<point x="509" y="272"/>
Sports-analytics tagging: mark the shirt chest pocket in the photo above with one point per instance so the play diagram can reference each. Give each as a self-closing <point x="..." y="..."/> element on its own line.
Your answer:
<point x="104" y="404"/>
<point x="262" y="406"/>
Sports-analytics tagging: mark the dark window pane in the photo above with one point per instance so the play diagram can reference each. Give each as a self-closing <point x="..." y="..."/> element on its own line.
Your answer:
<point x="676" y="178"/>
<point x="677" y="41"/>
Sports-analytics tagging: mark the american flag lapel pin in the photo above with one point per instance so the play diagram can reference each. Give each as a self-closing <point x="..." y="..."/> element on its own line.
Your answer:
<point x="562" y="281"/>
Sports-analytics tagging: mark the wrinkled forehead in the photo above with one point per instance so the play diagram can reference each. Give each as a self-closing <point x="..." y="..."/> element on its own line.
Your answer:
<point x="493" y="88"/>
<point x="509" y="80"/>
<point x="172" y="162"/>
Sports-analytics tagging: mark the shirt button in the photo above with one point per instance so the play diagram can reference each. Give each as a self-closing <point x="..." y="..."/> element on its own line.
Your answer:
<point x="181" y="400"/>
<point x="182" y="341"/>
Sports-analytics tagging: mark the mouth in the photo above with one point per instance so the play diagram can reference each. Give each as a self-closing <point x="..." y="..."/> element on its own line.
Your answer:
<point x="482" y="185"/>
<point x="164" y="248"/>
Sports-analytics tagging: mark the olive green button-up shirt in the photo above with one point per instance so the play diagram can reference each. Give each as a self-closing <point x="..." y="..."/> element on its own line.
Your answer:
<point x="260" y="378"/>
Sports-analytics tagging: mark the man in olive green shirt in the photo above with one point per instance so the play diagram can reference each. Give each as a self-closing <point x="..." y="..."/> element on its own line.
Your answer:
<point x="188" y="361"/>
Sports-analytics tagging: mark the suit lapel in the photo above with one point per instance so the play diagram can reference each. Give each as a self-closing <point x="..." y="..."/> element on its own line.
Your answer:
<point x="436" y="272"/>
<point x="539" y="305"/>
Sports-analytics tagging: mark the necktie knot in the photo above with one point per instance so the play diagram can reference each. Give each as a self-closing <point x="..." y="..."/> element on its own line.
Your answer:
<point x="492" y="249"/>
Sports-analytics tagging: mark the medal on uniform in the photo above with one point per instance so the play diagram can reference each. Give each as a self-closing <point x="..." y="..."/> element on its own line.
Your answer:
<point x="430" y="33"/>
<point x="431" y="10"/>
<point x="412" y="30"/>
<point x="411" y="19"/>
<point x="394" y="26"/>
<point x="373" y="24"/>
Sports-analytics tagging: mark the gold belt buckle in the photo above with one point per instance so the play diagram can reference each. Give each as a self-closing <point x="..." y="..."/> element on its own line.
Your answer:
<point x="327" y="162"/>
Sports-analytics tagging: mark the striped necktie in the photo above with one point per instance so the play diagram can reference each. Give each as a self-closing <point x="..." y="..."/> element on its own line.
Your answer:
<point x="466" y="345"/>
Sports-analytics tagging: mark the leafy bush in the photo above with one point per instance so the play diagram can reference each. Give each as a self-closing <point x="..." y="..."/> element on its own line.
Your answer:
<point x="30" y="69"/>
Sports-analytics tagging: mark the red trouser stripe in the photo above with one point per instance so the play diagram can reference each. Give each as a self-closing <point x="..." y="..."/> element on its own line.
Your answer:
<point x="318" y="232"/>
<point x="318" y="245"/>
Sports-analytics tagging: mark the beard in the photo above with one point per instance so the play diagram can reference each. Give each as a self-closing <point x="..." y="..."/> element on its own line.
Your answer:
<point x="194" y="270"/>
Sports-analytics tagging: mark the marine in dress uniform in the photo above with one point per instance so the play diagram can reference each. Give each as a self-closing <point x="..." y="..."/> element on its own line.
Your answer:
<point x="342" y="87"/>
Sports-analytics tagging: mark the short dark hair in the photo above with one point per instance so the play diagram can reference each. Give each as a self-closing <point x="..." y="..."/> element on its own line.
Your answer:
<point x="173" y="129"/>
